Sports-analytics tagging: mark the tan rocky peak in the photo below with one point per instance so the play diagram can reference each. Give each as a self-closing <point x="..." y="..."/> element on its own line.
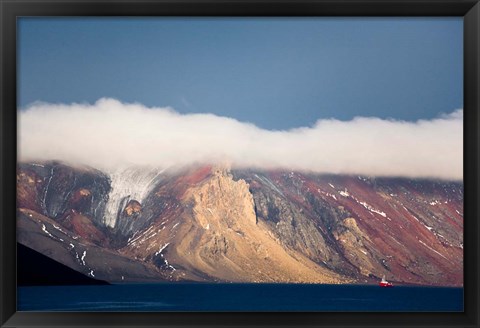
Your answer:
<point x="222" y="201"/>
<point x="222" y="169"/>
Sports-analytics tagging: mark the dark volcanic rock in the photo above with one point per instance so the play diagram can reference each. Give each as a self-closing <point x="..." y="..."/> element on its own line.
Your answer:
<point x="74" y="197"/>
<point x="57" y="189"/>
<point x="299" y="224"/>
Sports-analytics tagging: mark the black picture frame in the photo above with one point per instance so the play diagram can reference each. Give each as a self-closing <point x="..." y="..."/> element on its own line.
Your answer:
<point x="10" y="10"/>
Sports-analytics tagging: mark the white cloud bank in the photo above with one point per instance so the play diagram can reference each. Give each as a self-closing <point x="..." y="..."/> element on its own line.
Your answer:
<point x="109" y="133"/>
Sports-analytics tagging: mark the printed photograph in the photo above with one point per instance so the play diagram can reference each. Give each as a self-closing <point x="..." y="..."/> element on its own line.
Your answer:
<point x="240" y="164"/>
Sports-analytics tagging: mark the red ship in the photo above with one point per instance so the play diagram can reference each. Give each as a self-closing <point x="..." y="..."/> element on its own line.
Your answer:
<point x="385" y="283"/>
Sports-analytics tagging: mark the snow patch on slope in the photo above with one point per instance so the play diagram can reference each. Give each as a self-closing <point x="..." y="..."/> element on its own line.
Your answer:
<point x="129" y="183"/>
<point x="372" y="209"/>
<point x="44" y="228"/>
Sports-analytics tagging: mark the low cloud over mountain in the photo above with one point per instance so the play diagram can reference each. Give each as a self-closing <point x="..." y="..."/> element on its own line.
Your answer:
<point x="109" y="133"/>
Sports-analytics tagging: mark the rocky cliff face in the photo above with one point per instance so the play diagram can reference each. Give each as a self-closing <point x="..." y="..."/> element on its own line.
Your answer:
<point x="213" y="223"/>
<point x="407" y="230"/>
<point x="74" y="197"/>
<point x="61" y="214"/>
<point x="55" y="189"/>
<point x="225" y="240"/>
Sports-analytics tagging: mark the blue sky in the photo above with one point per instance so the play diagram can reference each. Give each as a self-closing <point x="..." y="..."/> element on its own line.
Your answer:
<point x="278" y="73"/>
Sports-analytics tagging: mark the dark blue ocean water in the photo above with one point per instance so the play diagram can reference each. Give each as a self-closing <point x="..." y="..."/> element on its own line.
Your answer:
<point x="238" y="297"/>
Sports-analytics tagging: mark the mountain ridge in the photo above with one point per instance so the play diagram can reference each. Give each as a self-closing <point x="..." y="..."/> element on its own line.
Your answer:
<point x="215" y="223"/>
